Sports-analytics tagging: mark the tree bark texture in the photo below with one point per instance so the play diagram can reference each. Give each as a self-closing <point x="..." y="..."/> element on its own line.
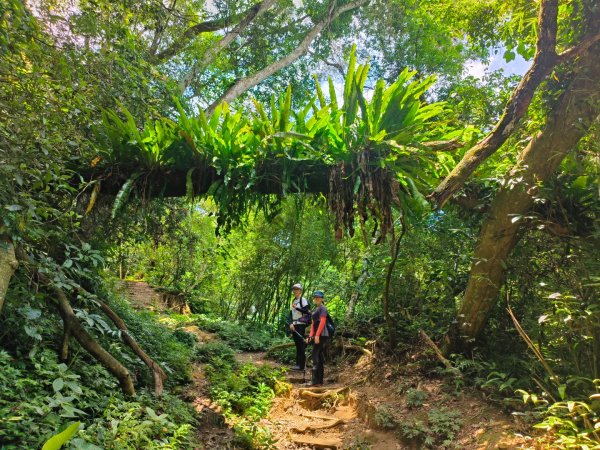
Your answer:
<point x="8" y="265"/>
<point x="64" y="346"/>
<point x="545" y="60"/>
<point x="249" y="82"/>
<point x="568" y="123"/>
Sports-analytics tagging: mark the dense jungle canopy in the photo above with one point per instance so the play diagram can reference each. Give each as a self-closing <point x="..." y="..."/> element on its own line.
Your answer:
<point x="221" y="151"/>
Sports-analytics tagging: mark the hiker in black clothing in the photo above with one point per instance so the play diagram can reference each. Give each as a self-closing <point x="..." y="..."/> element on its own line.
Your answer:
<point x="320" y="335"/>
<point x="298" y="320"/>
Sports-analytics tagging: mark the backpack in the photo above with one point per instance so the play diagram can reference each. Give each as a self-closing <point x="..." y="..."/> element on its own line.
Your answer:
<point x="305" y="319"/>
<point x="330" y="326"/>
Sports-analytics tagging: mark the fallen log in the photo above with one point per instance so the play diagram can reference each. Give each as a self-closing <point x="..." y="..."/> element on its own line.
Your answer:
<point x="358" y="348"/>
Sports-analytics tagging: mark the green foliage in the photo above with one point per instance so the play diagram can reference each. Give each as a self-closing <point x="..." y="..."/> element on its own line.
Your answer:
<point x="439" y="431"/>
<point x="384" y="418"/>
<point x="573" y="418"/>
<point x="187" y="339"/>
<point x="238" y="336"/>
<point x="360" y="444"/>
<point x="415" y="430"/>
<point x="132" y="425"/>
<point x="385" y="131"/>
<point x="157" y="340"/>
<point x="245" y="393"/>
<point x="212" y="350"/>
<point x="415" y="398"/>
<point x="56" y="442"/>
<point x="444" y="424"/>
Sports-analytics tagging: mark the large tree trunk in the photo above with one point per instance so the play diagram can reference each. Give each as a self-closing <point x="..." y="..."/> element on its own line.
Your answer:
<point x="567" y="124"/>
<point x="8" y="265"/>
<point x="546" y="59"/>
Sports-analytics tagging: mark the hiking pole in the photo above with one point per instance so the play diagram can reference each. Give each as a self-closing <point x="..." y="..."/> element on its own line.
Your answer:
<point x="299" y="335"/>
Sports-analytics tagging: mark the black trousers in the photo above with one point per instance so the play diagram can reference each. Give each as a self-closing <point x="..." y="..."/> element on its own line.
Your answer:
<point x="318" y="358"/>
<point x="300" y="346"/>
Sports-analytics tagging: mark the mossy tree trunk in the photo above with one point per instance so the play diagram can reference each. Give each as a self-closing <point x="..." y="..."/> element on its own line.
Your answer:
<point x="8" y="265"/>
<point x="569" y="121"/>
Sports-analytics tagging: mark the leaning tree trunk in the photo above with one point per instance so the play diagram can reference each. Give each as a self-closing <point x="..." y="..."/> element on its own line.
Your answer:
<point x="568" y="123"/>
<point x="8" y="265"/>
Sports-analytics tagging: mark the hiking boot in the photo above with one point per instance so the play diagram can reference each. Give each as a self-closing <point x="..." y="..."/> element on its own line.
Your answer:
<point x="296" y="368"/>
<point x="314" y="384"/>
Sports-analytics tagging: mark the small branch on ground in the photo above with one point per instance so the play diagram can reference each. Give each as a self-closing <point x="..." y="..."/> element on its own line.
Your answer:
<point x="358" y="348"/>
<point x="532" y="347"/>
<point x="438" y="353"/>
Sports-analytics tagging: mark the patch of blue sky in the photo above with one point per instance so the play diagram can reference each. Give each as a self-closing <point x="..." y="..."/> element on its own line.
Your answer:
<point x="479" y="69"/>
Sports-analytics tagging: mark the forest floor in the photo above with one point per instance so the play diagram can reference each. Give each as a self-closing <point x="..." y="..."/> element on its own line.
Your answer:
<point x="364" y="405"/>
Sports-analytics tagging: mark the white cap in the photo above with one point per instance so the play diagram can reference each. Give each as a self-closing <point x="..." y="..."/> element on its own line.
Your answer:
<point x="297" y="286"/>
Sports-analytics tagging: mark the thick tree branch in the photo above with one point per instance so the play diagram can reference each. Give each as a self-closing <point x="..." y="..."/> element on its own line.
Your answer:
<point x="88" y="342"/>
<point x="254" y="12"/>
<point x="579" y="49"/>
<point x="543" y="63"/>
<point x="249" y="82"/>
<point x="442" y="146"/>
<point x="160" y="28"/>
<point x="204" y="27"/>
<point x="566" y="124"/>
<point x="64" y="346"/>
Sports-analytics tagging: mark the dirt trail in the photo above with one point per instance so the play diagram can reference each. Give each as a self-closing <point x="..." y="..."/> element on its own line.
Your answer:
<point x="364" y="405"/>
<point x="361" y="408"/>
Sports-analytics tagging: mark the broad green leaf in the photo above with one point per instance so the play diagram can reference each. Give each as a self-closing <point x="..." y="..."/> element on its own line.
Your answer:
<point x="56" y="442"/>
<point x="58" y="384"/>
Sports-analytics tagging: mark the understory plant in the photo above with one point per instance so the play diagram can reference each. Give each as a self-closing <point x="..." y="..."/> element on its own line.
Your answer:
<point x="245" y="393"/>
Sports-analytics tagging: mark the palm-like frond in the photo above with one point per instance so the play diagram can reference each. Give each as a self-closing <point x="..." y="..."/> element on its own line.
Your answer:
<point x="370" y="140"/>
